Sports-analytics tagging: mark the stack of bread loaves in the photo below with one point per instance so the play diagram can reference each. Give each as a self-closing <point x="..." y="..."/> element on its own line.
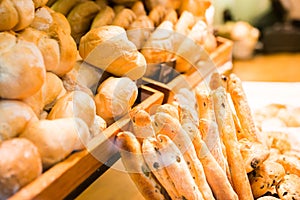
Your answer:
<point x="47" y="105"/>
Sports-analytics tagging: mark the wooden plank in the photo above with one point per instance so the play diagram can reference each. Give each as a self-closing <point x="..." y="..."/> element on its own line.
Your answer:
<point x="64" y="177"/>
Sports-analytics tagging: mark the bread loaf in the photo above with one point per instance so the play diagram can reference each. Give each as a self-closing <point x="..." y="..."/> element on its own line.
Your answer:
<point x="108" y="48"/>
<point x="81" y="17"/>
<point x="20" y="164"/>
<point x="115" y="97"/>
<point x="65" y="6"/>
<point x="56" y="139"/>
<point x="16" y="14"/>
<point x="48" y="47"/>
<point x="57" y="28"/>
<point x="75" y="104"/>
<point x="14" y="117"/>
<point x="104" y="17"/>
<point x="22" y="67"/>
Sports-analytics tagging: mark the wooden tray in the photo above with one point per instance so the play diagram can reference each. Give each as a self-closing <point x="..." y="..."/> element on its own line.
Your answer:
<point x="190" y="79"/>
<point x="70" y="177"/>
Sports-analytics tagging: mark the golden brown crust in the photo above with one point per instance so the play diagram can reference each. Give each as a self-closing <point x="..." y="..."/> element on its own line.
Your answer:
<point x="157" y="14"/>
<point x="21" y="63"/>
<point x="20" y="164"/>
<point x="104" y="17"/>
<point x="228" y="134"/>
<point x="242" y="108"/>
<point x="124" y="18"/>
<point x="81" y="17"/>
<point x="14" y="117"/>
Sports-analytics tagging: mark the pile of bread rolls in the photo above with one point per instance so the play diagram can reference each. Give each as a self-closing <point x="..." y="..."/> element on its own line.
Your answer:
<point x="162" y="30"/>
<point x="51" y="102"/>
<point x="205" y="145"/>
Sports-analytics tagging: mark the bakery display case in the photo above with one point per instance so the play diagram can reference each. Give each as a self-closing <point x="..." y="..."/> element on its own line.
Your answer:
<point x="128" y="99"/>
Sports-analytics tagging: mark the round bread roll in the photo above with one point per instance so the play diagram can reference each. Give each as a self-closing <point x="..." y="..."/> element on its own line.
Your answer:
<point x="56" y="139"/>
<point x="124" y="18"/>
<point x="48" y="47"/>
<point x="57" y="27"/>
<point x="20" y="164"/>
<point x="197" y="7"/>
<point x="22" y="67"/>
<point x="115" y="97"/>
<point x="81" y="17"/>
<point x="108" y="48"/>
<point x="104" y="17"/>
<point x="14" y="117"/>
<point x="159" y="47"/>
<point x="75" y="104"/>
<point x="16" y="14"/>
<point x="65" y="6"/>
<point x="175" y="4"/>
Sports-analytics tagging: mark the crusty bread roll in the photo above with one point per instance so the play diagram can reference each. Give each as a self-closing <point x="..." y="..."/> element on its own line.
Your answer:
<point x="104" y="17"/>
<point x="22" y="67"/>
<point x="20" y="164"/>
<point x="108" y="48"/>
<point x="45" y="18"/>
<point x="36" y="101"/>
<point x="159" y="47"/>
<point x="115" y="97"/>
<point x="75" y="104"/>
<point x="124" y="18"/>
<point x="140" y="30"/>
<point x="56" y="139"/>
<point x="81" y="17"/>
<point x="56" y="26"/>
<point x="48" y="46"/>
<point x="138" y="9"/>
<point x="16" y="14"/>
<point x="14" y="117"/>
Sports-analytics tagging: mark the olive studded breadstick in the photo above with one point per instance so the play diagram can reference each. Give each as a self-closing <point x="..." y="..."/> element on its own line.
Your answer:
<point x="228" y="134"/>
<point x="131" y="154"/>
<point x="178" y="135"/>
<point x="167" y="163"/>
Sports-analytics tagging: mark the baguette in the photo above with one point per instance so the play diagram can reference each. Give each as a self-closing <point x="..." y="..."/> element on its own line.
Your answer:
<point x="228" y="134"/>
<point x="163" y="123"/>
<point x="253" y="152"/>
<point x="131" y="155"/>
<point x="167" y="163"/>
<point x="215" y="176"/>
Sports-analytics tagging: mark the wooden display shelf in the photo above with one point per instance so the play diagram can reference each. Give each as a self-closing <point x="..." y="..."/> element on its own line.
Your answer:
<point x="190" y="79"/>
<point x="62" y="180"/>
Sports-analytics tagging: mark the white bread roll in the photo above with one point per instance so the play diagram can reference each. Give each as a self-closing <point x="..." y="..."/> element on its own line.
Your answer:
<point x="76" y="104"/>
<point x="160" y="45"/>
<point x="115" y="97"/>
<point x="16" y="14"/>
<point x="57" y="27"/>
<point x="20" y="164"/>
<point x="48" y="46"/>
<point x="22" y="67"/>
<point x="108" y="48"/>
<point x="56" y="139"/>
<point x="14" y="117"/>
